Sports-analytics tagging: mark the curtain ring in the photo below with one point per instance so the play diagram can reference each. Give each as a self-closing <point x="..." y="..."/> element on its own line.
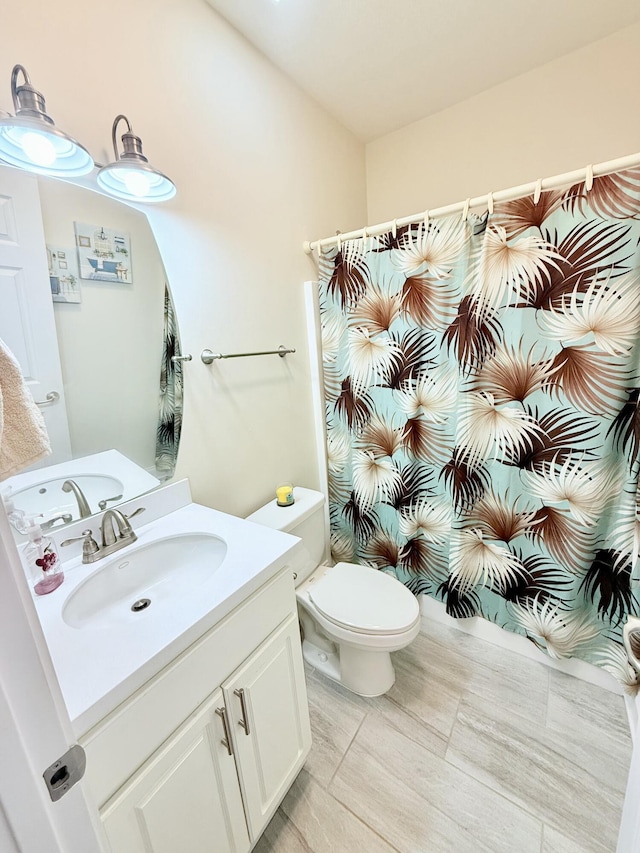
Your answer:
<point x="490" y="203"/>
<point x="394" y="229"/>
<point x="465" y="210"/>
<point x="588" y="178"/>
<point x="365" y="239"/>
<point x="426" y="220"/>
<point x="338" y="242"/>
<point x="538" y="191"/>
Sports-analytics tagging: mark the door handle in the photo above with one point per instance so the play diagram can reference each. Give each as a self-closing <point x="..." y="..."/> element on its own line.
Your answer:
<point x="51" y="398"/>
<point x="226" y="740"/>
<point x="244" y="720"/>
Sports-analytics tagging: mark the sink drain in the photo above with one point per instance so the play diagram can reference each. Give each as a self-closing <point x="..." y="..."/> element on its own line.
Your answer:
<point x="140" y="604"/>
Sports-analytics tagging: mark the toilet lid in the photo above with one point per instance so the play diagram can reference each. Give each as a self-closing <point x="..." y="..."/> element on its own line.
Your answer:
<point x="364" y="599"/>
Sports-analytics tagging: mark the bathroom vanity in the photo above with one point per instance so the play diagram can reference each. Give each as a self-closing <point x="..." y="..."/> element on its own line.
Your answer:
<point x="193" y="714"/>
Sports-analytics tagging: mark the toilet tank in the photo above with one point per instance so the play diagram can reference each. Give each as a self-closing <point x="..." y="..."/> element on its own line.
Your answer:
<point x="303" y="518"/>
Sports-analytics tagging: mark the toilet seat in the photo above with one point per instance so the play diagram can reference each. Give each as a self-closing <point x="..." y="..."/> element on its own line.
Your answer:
<point x="364" y="600"/>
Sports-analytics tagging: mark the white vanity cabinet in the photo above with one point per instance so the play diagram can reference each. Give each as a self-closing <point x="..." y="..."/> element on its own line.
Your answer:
<point x="186" y="797"/>
<point x="208" y="780"/>
<point x="270" y="723"/>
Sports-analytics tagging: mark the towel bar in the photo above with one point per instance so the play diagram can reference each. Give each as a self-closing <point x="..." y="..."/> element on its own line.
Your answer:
<point x="208" y="356"/>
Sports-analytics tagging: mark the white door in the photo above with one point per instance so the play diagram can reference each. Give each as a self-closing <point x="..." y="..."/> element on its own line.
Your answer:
<point x="267" y="703"/>
<point x="27" y="322"/>
<point x="35" y="729"/>
<point x="186" y="797"/>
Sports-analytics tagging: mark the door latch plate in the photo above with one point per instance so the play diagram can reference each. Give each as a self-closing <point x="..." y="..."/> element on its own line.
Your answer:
<point x="63" y="774"/>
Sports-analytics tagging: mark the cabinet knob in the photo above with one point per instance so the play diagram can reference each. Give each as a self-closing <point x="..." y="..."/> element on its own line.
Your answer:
<point x="226" y="740"/>
<point x="244" y="720"/>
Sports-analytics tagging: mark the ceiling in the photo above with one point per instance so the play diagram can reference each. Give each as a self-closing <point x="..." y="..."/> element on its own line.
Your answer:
<point x="378" y="65"/>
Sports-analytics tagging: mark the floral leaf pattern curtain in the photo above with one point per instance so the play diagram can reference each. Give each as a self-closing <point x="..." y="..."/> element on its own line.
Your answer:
<point x="170" y="410"/>
<point x="482" y="380"/>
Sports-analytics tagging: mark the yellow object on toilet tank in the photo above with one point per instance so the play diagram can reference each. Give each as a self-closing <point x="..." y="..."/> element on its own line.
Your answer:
<point x="284" y="494"/>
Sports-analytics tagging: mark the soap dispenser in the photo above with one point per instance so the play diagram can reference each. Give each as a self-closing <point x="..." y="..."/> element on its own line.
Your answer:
<point x="15" y="515"/>
<point x="42" y="559"/>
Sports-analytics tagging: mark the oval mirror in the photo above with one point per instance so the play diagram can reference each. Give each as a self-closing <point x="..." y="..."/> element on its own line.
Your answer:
<point x="86" y="310"/>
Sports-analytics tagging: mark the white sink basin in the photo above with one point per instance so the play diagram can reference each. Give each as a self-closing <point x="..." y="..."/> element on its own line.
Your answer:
<point x="160" y="572"/>
<point x="46" y="498"/>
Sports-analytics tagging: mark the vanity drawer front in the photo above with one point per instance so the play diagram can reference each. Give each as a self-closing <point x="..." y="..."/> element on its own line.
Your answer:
<point x="121" y="743"/>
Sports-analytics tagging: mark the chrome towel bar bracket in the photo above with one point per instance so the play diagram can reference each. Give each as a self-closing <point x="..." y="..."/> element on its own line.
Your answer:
<point x="208" y="356"/>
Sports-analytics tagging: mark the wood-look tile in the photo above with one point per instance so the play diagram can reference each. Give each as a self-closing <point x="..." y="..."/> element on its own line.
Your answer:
<point x="310" y="819"/>
<point x="554" y="842"/>
<point x="281" y="836"/>
<point x="596" y="709"/>
<point x="335" y="716"/>
<point x="516" y="758"/>
<point x="409" y="723"/>
<point x="419" y="802"/>
<point x="428" y="686"/>
<point x="512" y="681"/>
<point x="328" y="698"/>
<point x="591" y="749"/>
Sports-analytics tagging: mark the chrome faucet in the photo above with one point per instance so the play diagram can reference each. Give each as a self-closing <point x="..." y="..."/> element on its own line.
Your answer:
<point x="116" y="532"/>
<point x="83" y="506"/>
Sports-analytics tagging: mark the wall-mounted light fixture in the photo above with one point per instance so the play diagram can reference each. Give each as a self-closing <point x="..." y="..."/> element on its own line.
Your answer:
<point x="31" y="141"/>
<point x="130" y="176"/>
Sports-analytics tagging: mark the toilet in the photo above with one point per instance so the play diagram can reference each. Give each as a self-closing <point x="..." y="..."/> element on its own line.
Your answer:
<point x="352" y="616"/>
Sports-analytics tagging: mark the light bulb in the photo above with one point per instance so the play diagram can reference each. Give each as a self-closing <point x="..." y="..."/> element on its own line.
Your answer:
<point x="38" y="148"/>
<point x="137" y="183"/>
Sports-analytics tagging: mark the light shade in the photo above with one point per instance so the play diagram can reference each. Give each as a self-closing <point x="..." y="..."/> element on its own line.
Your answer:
<point x="130" y="176"/>
<point x="31" y="141"/>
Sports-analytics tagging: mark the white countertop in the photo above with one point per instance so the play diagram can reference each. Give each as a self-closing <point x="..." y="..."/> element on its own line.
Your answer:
<point x="99" y="667"/>
<point x="134" y="479"/>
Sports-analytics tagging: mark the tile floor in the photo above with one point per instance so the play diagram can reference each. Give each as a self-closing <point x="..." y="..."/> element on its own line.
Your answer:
<point x="474" y="749"/>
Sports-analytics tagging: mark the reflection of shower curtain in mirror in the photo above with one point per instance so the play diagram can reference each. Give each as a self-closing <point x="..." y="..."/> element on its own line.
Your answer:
<point x="170" y="416"/>
<point x="482" y="380"/>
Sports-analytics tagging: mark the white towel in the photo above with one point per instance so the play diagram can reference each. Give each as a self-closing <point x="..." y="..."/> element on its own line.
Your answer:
<point x="23" y="435"/>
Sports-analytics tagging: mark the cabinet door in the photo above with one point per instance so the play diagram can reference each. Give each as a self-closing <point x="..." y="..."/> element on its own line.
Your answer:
<point x="267" y="702"/>
<point x="185" y="797"/>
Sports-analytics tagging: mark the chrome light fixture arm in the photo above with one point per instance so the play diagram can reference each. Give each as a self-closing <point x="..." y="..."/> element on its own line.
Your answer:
<point x="130" y="176"/>
<point x="30" y="140"/>
<point x="26" y="99"/>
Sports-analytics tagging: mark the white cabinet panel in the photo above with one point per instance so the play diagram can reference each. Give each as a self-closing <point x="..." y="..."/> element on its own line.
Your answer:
<point x="270" y="722"/>
<point x="173" y="786"/>
<point x="124" y="740"/>
<point x="185" y="798"/>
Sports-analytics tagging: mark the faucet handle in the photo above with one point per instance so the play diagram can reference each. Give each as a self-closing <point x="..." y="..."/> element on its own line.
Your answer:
<point x="89" y="544"/>
<point x="136" y="512"/>
<point x="102" y="505"/>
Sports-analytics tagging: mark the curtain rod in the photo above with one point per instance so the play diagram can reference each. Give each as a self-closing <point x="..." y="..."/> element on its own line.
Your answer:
<point x="568" y="178"/>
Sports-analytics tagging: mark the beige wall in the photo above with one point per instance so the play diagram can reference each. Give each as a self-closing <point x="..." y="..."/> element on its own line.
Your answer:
<point x="580" y="109"/>
<point x="111" y="342"/>
<point x="259" y="168"/>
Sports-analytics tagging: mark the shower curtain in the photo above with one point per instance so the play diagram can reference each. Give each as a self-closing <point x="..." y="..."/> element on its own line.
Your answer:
<point x="482" y="379"/>
<point x="170" y="409"/>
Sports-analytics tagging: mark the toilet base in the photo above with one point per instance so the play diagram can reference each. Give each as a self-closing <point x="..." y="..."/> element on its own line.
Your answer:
<point x="367" y="673"/>
<point x="326" y="663"/>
